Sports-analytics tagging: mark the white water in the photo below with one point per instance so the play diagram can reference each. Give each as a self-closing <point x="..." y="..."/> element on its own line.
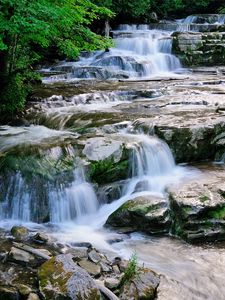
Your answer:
<point x="75" y="202"/>
<point x="138" y="52"/>
<point x="153" y="169"/>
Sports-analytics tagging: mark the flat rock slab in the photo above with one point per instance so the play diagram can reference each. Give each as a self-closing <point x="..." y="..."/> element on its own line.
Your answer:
<point x="100" y="148"/>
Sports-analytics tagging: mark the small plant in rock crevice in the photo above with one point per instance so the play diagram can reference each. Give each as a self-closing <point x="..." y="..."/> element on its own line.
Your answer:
<point x="131" y="270"/>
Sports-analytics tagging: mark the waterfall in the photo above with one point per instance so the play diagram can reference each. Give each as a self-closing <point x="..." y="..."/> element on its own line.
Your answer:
<point x="74" y="202"/>
<point x="138" y="52"/>
<point x="152" y="164"/>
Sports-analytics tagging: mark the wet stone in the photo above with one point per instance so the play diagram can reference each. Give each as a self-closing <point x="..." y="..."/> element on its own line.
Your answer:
<point x="33" y="296"/>
<point x="94" y="256"/>
<point x="19" y="232"/>
<point x="61" y="278"/>
<point x="24" y="290"/>
<point x="92" y="268"/>
<point x="40" y="238"/>
<point x="112" y="283"/>
<point x="20" y="256"/>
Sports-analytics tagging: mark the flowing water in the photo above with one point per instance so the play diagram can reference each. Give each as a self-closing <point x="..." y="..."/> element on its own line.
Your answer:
<point x="138" y="52"/>
<point x="69" y="202"/>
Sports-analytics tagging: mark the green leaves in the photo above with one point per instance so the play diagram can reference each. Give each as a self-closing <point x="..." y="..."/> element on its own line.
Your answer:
<point x="27" y="27"/>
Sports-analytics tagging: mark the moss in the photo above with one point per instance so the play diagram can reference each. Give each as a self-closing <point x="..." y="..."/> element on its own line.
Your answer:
<point x="217" y="213"/>
<point x="107" y="171"/>
<point x="203" y="198"/>
<point x="58" y="281"/>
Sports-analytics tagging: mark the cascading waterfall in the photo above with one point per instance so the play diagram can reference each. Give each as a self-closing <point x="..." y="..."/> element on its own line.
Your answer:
<point x="138" y="52"/>
<point x="74" y="202"/>
<point x="152" y="164"/>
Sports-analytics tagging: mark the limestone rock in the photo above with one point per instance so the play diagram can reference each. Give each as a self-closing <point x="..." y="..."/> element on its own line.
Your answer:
<point x="198" y="209"/>
<point x="61" y="278"/>
<point x="100" y="148"/>
<point x="144" y="213"/>
<point x="92" y="268"/>
<point x="112" y="283"/>
<point x="19" y="232"/>
<point x="200" y="48"/>
<point x="33" y="296"/>
<point x="142" y="286"/>
<point x="20" y="256"/>
<point x="94" y="256"/>
<point x="40" y="238"/>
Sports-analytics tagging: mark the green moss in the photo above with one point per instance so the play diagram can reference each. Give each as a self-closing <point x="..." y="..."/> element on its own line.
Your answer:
<point x="58" y="281"/>
<point x="107" y="171"/>
<point x="203" y="198"/>
<point x="217" y="213"/>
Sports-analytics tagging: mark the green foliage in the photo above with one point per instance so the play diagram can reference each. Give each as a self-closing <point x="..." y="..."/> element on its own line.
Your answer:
<point x="131" y="270"/>
<point x="28" y="26"/>
<point x="13" y="95"/>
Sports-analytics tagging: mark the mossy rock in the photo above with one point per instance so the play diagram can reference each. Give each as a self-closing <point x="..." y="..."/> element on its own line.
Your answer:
<point x="144" y="213"/>
<point x="60" y="278"/>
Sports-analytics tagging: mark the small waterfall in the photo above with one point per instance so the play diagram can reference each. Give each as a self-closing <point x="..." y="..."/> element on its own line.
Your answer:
<point x="26" y="201"/>
<point x="152" y="164"/>
<point x="76" y="201"/>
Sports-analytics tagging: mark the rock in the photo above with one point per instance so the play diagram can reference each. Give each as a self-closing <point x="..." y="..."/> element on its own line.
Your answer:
<point x="19" y="232"/>
<point x="61" y="278"/>
<point x="105" y="267"/>
<point x="78" y="253"/>
<point x="200" y="49"/>
<point x="24" y="290"/>
<point x="33" y="296"/>
<point x="189" y="136"/>
<point x="40" y="238"/>
<point x="142" y="286"/>
<point x="94" y="256"/>
<point x="116" y="269"/>
<point x="112" y="283"/>
<point x="100" y="148"/>
<point x="145" y="213"/>
<point x="20" y="256"/>
<point x="92" y="268"/>
<point x="8" y="293"/>
<point x="198" y="208"/>
<point x="82" y="245"/>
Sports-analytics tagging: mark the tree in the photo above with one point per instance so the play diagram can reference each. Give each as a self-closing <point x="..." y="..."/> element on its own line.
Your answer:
<point x="28" y="26"/>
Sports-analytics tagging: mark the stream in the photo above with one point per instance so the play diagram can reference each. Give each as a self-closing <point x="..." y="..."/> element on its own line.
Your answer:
<point x="88" y="111"/>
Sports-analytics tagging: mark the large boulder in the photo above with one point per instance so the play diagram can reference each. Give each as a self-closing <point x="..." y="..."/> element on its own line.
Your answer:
<point x="60" y="278"/>
<point x="198" y="209"/>
<point x="145" y="213"/>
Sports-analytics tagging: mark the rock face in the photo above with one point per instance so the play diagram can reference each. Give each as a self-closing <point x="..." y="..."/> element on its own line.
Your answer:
<point x="198" y="209"/>
<point x="200" y="49"/>
<point x="108" y="159"/>
<point x="142" y="286"/>
<point x="189" y="139"/>
<point x="61" y="278"/>
<point x="145" y="213"/>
